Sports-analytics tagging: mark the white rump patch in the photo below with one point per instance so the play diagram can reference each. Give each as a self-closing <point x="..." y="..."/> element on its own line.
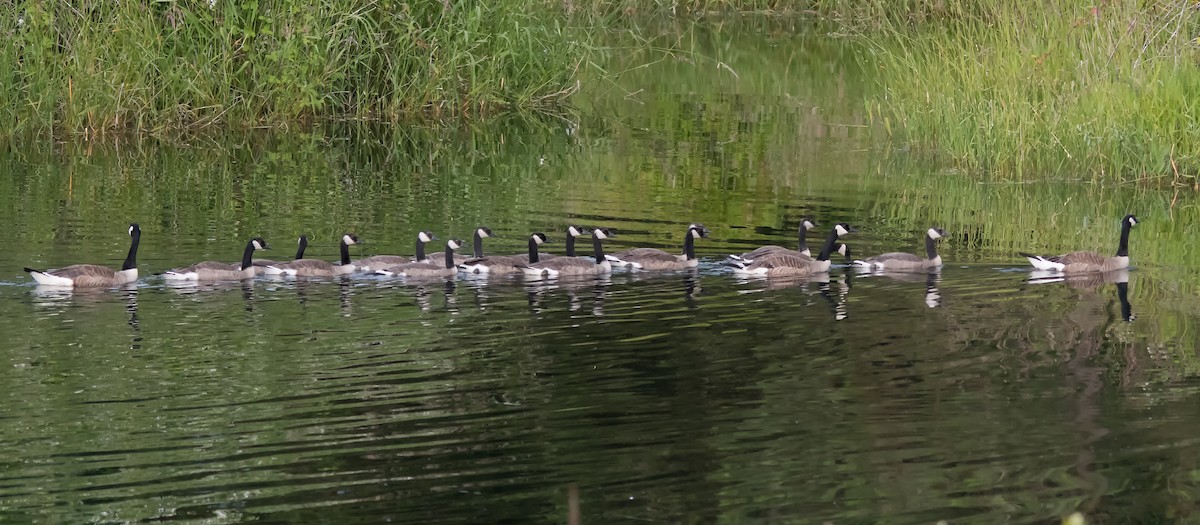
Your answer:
<point x="48" y="279"/>
<point x="1043" y="264"/>
<point x="175" y="276"/>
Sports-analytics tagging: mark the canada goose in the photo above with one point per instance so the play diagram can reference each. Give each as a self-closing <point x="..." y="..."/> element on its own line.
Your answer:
<point x="506" y="264"/>
<point x="801" y="245"/>
<point x="572" y="232"/>
<point x="219" y="271"/>
<point x="481" y="233"/>
<point x="1079" y="262"/>
<point x="260" y="265"/>
<point x="383" y="261"/>
<point x="655" y="259"/>
<point x="446" y="268"/>
<point x="94" y="275"/>
<point x="574" y="265"/>
<point x="796" y="265"/>
<point x="907" y="262"/>
<point x="317" y="267"/>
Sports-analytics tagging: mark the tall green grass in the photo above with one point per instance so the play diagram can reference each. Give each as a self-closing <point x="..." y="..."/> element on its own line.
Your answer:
<point x="160" y="66"/>
<point x="1013" y="91"/>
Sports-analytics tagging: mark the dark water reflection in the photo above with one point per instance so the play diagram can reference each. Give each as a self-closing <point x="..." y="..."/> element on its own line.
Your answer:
<point x="679" y="397"/>
<point x="975" y="395"/>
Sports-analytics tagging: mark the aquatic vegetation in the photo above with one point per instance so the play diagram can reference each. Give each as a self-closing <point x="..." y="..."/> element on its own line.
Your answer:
<point x="94" y="67"/>
<point x="1102" y="92"/>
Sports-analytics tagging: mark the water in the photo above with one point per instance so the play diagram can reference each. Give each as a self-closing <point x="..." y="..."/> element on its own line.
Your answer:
<point x="971" y="396"/>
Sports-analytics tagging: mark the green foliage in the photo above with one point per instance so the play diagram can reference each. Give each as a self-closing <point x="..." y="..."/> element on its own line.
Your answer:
<point x="1104" y="92"/>
<point x="162" y="66"/>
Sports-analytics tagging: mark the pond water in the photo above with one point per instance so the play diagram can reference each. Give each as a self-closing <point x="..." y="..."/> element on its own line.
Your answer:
<point x="972" y="396"/>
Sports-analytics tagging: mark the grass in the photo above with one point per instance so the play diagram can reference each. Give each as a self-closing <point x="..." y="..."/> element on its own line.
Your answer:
<point x="97" y="67"/>
<point x="1103" y="92"/>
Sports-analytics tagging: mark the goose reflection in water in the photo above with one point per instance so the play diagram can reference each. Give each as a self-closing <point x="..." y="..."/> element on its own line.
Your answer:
<point x="537" y="290"/>
<point x="1090" y="283"/>
<point x="932" y="278"/>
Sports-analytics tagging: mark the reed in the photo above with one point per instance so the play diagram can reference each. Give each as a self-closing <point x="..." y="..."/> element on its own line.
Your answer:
<point x="1008" y="92"/>
<point x="96" y="67"/>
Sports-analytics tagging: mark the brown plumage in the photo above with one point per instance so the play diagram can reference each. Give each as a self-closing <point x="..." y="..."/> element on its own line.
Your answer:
<point x="219" y="271"/>
<point x="801" y="246"/>
<point x="565" y="266"/>
<point x="506" y="264"/>
<point x="655" y="259"/>
<point x="318" y="267"/>
<point x="376" y="262"/>
<point x="446" y="268"/>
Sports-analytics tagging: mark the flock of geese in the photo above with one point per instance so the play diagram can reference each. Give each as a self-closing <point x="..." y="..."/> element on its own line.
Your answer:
<point x="766" y="261"/>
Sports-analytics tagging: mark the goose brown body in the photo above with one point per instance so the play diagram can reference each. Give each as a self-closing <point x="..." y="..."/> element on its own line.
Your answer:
<point x="94" y="275"/>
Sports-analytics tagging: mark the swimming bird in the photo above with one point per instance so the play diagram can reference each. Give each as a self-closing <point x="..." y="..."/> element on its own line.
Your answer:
<point x="94" y="275"/>
<point x="560" y="266"/>
<point x="655" y="259"/>
<point x="428" y="268"/>
<point x="907" y="262"/>
<point x="1079" y="262"/>
<point x="219" y="271"/>
<point x="481" y="233"/>
<point x="318" y="267"/>
<point x="797" y="265"/>
<point x="801" y="245"/>
<point x="260" y="265"/>
<point x="383" y="261"/>
<point x="506" y="264"/>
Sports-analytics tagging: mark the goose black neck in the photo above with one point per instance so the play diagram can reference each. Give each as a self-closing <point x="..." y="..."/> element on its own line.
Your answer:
<point x="345" y="252"/>
<point x="1123" y="248"/>
<point x="533" y="251"/>
<point x="827" y="249"/>
<point x="570" y="245"/>
<point x="131" y="258"/>
<point x="802" y="242"/>
<point x="300" y="249"/>
<point x="478" y="246"/>
<point x="420" y="250"/>
<point x="248" y="255"/>
<point x="449" y="256"/>
<point x="930" y="248"/>
<point x="689" y="245"/>
<point x="596" y="247"/>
